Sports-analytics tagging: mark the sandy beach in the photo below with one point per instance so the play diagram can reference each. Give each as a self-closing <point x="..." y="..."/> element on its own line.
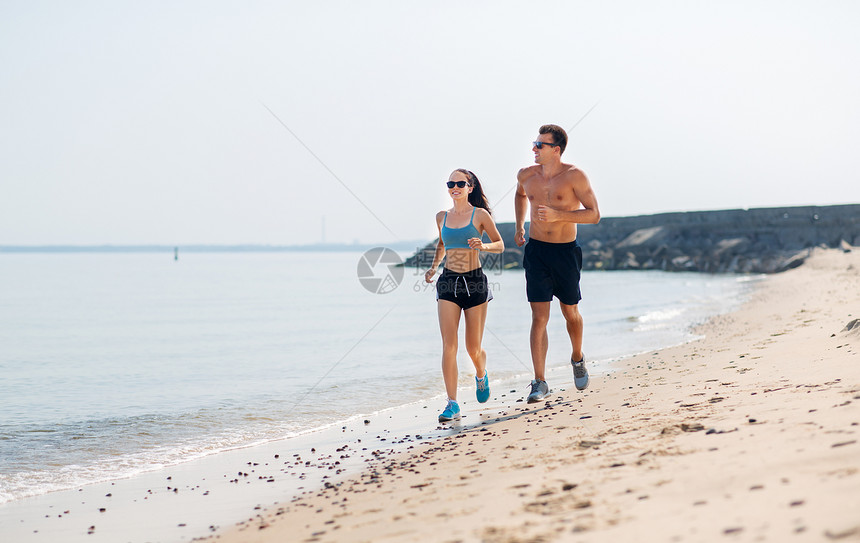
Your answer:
<point x="749" y="434"/>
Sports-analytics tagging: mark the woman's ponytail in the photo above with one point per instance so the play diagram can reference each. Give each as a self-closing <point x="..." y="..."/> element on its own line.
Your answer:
<point x="477" y="197"/>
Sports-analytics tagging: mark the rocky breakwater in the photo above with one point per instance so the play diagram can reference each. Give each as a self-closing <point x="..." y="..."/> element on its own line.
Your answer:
<point x="765" y="240"/>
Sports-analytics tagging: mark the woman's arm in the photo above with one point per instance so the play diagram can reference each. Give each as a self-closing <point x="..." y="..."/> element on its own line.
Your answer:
<point x="440" y="251"/>
<point x="486" y="223"/>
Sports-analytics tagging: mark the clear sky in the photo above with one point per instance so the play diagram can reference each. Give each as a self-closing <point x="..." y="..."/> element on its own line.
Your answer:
<point x="178" y="122"/>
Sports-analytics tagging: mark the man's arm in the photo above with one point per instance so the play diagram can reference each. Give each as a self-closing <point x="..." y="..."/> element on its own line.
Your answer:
<point x="521" y="206"/>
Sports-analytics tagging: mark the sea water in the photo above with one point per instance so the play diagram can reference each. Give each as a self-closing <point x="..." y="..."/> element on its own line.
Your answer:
<point x="112" y="364"/>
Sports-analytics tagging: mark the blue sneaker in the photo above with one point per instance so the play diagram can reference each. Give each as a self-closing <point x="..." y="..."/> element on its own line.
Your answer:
<point x="451" y="412"/>
<point x="580" y="374"/>
<point x="482" y="388"/>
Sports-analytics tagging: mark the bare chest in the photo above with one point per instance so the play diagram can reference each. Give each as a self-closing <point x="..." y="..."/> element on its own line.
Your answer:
<point x="552" y="192"/>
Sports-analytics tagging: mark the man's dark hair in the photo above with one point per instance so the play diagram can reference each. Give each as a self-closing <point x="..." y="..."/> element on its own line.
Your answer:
<point x="559" y="136"/>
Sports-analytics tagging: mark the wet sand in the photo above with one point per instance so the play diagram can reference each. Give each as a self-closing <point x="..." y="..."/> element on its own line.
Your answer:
<point x="750" y="434"/>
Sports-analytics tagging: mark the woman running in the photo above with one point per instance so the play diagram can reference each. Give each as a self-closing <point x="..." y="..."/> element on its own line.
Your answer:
<point x="462" y="286"/>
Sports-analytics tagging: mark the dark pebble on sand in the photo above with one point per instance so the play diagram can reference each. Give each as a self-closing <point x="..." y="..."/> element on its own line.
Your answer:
<point x="693" y="427"/>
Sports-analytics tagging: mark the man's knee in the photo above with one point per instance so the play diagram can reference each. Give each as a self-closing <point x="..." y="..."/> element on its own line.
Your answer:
<point x="570" y="312"/>
<point x="540" y="319"/>
<point x="540" y="313"/>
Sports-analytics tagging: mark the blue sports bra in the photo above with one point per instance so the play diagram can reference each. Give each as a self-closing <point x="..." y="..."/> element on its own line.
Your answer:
<point x="458" y="238"/>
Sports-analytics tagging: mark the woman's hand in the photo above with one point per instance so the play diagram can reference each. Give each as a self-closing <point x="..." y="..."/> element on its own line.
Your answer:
<point x="476" y="244"/>
<point x="428" y="275"/>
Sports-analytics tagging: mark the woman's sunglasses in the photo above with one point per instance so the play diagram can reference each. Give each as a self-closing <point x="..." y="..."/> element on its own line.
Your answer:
<point x="540" y="144"/>
<point x="458" y="184"/>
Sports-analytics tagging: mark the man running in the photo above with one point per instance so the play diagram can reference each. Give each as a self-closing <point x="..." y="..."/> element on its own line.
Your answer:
<point x="560" y="197"/>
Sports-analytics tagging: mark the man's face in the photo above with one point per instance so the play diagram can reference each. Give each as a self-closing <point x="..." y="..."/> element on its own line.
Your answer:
<point x="542" y="155"/>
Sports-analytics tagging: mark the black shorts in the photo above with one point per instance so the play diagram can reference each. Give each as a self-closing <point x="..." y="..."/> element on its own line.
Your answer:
<point x="552" y="269"/>
<point x="467" y="290"/>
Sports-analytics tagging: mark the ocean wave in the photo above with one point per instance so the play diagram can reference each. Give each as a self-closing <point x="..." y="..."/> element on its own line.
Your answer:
<point x="659" y="315"/>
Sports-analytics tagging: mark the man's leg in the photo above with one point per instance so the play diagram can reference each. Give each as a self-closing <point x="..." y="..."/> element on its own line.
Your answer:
<point x="538" y="339"/>
<point x="574" y="329"/>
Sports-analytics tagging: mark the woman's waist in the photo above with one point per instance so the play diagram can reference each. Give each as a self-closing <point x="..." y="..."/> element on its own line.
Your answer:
<point x="462" y="260"/>
<point x="467" y="273"/>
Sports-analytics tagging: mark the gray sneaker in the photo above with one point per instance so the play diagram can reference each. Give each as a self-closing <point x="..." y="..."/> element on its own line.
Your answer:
<point x="580" y="374"/>
<point x="540" y="390"/>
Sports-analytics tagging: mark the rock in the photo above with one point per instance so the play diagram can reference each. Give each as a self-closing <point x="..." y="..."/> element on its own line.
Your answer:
<point x="852" y="325"/>
<point x="644" y="237"/>
<point x="794" y="261"/>
<point x="692" y="427"/>
<point x="765" y="240"/>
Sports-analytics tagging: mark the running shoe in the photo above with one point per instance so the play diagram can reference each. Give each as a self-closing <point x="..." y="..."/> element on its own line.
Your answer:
<point x="482" y="388"/>
<point x="540" y="390"/>
<point x="451" y="412"/>
<point x="580" y="374"/>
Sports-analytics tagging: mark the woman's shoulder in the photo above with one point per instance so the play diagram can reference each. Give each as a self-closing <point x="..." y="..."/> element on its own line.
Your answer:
<point x="440" y="214"/>
<point x="482" y="214"/>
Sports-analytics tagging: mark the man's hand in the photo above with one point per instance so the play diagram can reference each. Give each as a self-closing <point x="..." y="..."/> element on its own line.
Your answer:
<point x="520" y="238"/>
<point x="547" y="214"/>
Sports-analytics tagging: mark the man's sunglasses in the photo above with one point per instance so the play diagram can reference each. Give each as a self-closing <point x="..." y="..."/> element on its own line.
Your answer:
<point x="458" y="184"/>
<point x="540" y="144"/>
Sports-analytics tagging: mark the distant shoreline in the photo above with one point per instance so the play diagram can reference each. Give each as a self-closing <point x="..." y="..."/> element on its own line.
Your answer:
<point x="201" y="248"/>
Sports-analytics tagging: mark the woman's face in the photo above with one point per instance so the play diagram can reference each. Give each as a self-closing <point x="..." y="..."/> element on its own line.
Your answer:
<point x="456" y="192"/>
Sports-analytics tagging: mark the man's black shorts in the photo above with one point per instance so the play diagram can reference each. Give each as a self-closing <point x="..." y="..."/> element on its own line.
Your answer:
<point x="552" y="269"/>
<point x="467" y="290"/>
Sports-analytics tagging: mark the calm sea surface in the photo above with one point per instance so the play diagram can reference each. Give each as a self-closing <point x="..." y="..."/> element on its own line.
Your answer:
<point x="116" y="363"/>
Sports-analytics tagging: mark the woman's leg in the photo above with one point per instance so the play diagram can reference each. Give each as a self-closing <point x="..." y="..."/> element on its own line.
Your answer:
<point x="476" y="317"/>
<point x="449" y="322"/>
